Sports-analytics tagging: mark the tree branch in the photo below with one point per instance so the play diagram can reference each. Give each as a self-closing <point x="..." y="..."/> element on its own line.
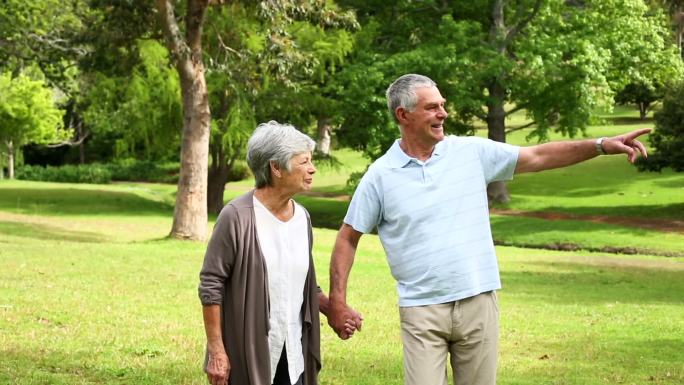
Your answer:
<point x="222" y="43"/>
<point x="516" y="109"/>
<point x="57" y="44"/>
<point x="197" y="9"/>
<point x="480" y="115"/>
<point x="513" y="31"/>
<point x="524" y="126"/>
<point x="69" y="143"/>
<point x="174" y="41"/>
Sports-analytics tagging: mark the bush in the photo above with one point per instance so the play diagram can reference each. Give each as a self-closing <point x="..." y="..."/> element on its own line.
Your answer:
<point x="93" y="173"/>
<point x="667" y="139"/>
<point x="144" y="171"/>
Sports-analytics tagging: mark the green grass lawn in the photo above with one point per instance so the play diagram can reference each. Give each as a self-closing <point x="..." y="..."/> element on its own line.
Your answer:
<point x="91" y="292"/>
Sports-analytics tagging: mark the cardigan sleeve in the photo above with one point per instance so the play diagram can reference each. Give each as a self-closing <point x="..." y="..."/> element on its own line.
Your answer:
<point x="219" y="257"/>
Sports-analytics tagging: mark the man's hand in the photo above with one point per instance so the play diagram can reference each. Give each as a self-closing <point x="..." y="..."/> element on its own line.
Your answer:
<point x="344" y="320"/>
<point x="218" y="367"/>
<point x="627" y="144"/>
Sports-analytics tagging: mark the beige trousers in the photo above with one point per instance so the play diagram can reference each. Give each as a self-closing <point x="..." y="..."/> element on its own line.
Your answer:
<point x="468" y="330"/>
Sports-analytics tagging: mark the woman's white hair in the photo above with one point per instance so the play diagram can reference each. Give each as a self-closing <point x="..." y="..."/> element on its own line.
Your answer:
<point x="274" y="142"/>
<point x="402" y="93"/>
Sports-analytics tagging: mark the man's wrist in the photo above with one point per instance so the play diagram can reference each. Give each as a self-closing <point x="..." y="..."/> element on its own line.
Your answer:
<point x="599" y="145"/>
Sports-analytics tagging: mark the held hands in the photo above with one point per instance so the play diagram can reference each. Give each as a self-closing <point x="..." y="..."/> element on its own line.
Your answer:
<point x="627" y="144"/>
<point x="344" y="320"/>
<point x="218" y="367"/>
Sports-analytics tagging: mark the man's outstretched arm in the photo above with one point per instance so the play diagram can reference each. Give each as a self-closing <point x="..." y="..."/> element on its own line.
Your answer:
<point x="340" y="265"/>
<point x="565" y="153"/>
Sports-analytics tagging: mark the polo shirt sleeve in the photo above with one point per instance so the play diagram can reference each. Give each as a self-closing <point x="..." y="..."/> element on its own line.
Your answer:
<point x="498" y="159"/>
<point x="364" y="212"/>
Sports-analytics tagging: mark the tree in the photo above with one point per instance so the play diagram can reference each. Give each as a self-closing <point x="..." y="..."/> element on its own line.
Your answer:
<point x="44" y="34"/>
<point x="260" y="76"/>
<point x="190" y="212"/>
<point x="643" y="94"/>
<point x="28" y="114"/>
<point x="668" y="138"/>
<point x="556" y="60"/>
<point x="186" y="49"/>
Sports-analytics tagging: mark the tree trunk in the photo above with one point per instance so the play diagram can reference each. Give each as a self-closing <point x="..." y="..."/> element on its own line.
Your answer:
<point x="10" y="160"/>
<point x="219" y="169"/>
<point x="679" y="23"/>
<point x="496" y="114"/>
<point x="218" y="177"/>
<point x="324" y="131"/>
<point x="81" y="144"/>
<point x="190" y="212"/>
<point x="643" y="110"/>
<point x="497" y="192"/>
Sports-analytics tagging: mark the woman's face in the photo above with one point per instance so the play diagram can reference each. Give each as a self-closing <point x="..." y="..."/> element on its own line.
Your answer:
<point x="300" y="176"/>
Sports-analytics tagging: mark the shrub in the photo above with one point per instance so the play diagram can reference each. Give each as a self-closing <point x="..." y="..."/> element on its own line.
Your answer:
<point x="144" y="171"/>
<point x="667" y="139"/>
<point x="92" y="173"/>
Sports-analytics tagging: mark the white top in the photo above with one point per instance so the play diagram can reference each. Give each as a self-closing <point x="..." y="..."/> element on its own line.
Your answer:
<point x="285" y="246"/>
<point x="433" y="219"/>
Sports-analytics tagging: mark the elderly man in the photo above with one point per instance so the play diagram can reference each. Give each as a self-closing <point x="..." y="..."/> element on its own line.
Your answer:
<point x="427" y="196"/>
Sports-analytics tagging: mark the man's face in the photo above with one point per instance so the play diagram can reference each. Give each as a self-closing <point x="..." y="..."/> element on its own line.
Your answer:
<point x="426" y="122"/>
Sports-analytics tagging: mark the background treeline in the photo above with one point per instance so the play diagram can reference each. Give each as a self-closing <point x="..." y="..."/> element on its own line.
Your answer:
<point x="131" y="85"/>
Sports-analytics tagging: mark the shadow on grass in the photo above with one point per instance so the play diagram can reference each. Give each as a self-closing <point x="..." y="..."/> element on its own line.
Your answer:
<point x="601" y="176"/>
<point x="578" y="283"/>
<point x="504" y="227"/>
<point x="674" y="211"/>
<point x="631" y="120"/>
<point x="48" y="233"/>
<point x="670" y="183"/>
<point x="325" y="212"/>
<point x="55" y="367"/>
<point x="68" y="201"/>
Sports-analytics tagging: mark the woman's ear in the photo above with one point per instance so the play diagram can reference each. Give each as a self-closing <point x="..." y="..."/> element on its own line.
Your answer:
<point x="275" y="169"/>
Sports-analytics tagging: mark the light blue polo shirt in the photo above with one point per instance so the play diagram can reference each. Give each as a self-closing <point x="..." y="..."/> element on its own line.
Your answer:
<point x="433" y="218"/>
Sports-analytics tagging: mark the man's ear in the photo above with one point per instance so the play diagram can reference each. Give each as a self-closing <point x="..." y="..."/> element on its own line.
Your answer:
<point x="400" y="113"/>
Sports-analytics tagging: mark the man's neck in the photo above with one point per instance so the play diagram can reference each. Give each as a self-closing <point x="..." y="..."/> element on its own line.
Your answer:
<point x="419" y="151"/>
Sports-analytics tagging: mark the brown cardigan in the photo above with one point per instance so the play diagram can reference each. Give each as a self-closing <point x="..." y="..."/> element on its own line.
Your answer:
<point x="234" y="276"/>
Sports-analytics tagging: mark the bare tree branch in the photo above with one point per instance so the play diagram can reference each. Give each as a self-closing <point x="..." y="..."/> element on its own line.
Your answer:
<point x="69" y="143"/>
<point x="222" y="43"/>
<point x="57" y="44"/>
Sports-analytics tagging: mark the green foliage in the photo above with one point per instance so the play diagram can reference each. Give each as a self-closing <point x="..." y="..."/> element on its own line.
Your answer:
<point x="43" y="33"/>
<point x="668" y="138"/>
<point x="564" y="63"/>
<point x="28" y="113"/>
<point x="94" y="173"/>
<point x="140" y="113"/>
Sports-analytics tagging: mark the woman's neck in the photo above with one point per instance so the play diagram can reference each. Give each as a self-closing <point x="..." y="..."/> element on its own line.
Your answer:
<point x="277" y="202"/>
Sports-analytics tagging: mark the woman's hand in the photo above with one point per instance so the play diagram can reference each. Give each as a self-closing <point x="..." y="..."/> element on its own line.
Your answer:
<point x="218" y="367"/>
<point x="351" y="324"/>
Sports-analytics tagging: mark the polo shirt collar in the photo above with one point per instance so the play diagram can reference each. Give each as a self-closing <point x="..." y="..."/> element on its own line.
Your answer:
<point x="398" y="158"/>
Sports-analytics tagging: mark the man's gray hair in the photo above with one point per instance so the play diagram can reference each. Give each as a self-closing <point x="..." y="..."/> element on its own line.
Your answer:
<point x="274" y="142"/>
<point x="402" y="93"/>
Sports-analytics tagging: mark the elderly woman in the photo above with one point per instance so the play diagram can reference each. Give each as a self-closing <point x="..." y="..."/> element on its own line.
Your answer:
<point x="258" y="284"/>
